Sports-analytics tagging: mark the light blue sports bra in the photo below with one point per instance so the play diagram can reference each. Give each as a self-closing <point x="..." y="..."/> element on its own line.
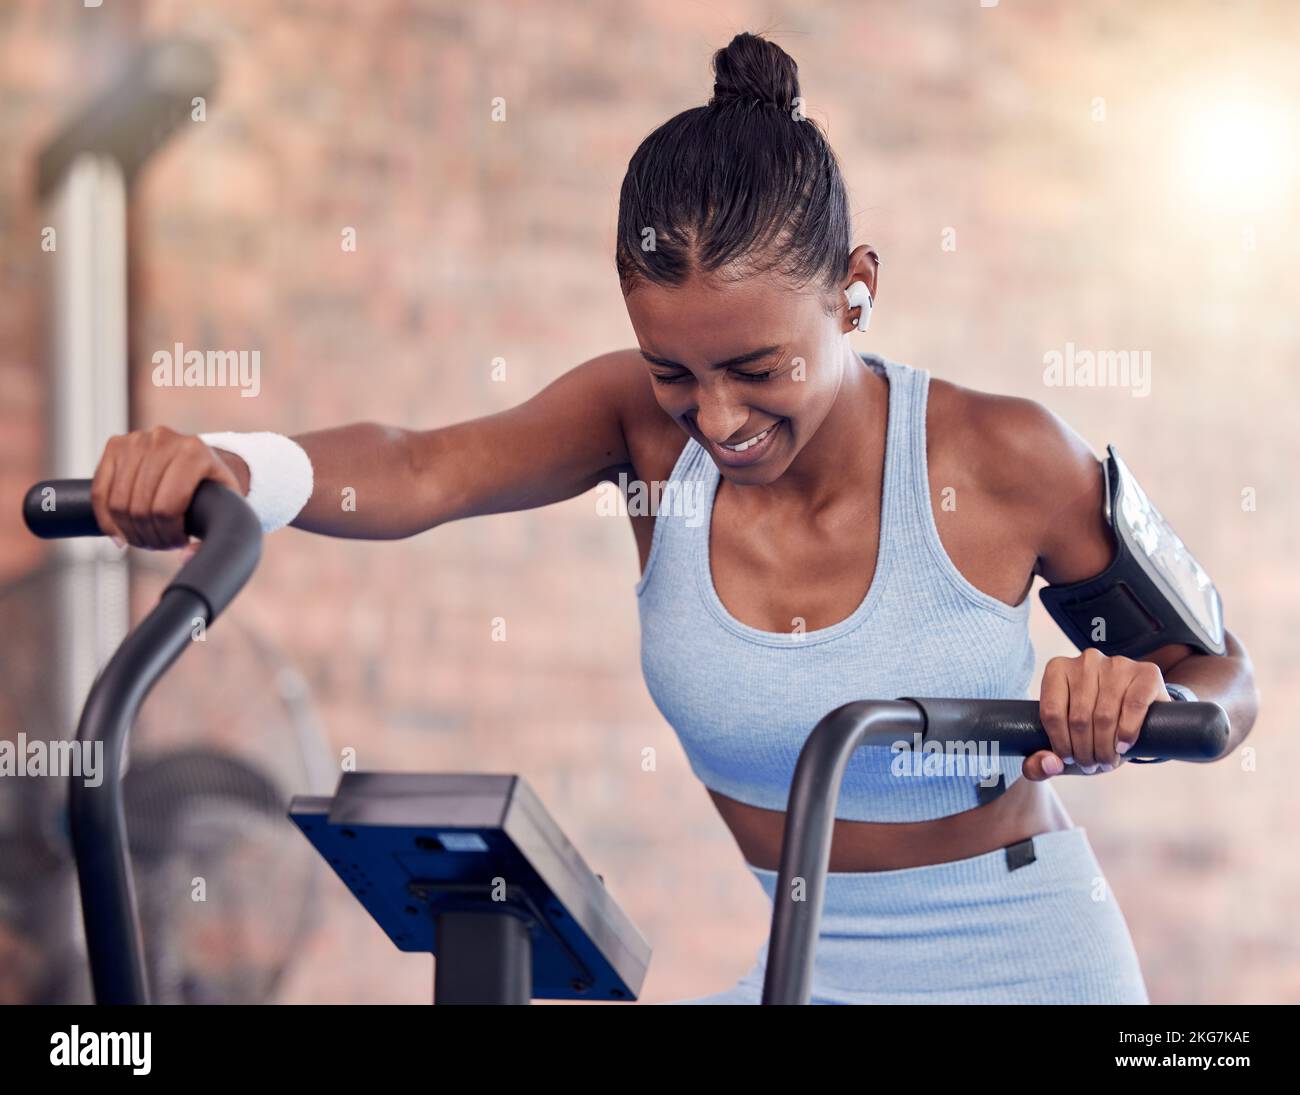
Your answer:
<point x="742" y="701"/>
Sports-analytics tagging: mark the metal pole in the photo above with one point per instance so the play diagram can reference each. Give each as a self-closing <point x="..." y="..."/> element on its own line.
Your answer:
<point x="89" y="405"/>
<point x="483" y="958"/>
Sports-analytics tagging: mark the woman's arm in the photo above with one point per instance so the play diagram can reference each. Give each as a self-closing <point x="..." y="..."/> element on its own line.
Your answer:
<point x="1092" y="704"/>
<point x="378" y="483"/>
<point x="375" y="482"/>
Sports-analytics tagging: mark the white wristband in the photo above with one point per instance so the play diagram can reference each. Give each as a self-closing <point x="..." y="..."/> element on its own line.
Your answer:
<point x="279" y="473"/>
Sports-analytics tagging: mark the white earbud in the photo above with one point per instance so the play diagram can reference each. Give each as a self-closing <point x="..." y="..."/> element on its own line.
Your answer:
<point x="859" y="295"/>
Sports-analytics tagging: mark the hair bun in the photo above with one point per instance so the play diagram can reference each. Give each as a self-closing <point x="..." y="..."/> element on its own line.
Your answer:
<point x="751" y="68"/>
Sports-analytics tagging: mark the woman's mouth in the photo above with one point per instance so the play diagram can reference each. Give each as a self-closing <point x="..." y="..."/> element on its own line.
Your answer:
<point x="750" y="449"/>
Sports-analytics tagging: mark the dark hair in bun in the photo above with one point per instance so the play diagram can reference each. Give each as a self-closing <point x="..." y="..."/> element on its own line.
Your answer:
<point x="746" y="183"/>
<point x="754" y="70"/>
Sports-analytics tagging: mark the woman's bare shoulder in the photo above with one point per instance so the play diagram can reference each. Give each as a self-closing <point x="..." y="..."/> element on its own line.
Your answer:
<point x="1015" y="442"/>
<point x="1018" y="454"/>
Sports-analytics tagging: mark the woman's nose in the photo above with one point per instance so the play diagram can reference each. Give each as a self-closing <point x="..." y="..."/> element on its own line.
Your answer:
<point x="720" y="421"/>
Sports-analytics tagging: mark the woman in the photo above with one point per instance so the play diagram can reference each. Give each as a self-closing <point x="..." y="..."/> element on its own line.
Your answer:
<point x="842" y="528"/>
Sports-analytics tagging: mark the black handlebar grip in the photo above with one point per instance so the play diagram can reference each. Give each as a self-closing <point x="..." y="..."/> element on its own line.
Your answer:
<point x="231" y="534"/>
<point x="1184" y="731"/>
<point x="55" y="509"/>
<point x="1171" y="731"/>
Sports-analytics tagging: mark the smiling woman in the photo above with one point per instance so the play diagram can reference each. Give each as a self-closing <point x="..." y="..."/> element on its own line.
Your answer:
<point x="866" y="533"/>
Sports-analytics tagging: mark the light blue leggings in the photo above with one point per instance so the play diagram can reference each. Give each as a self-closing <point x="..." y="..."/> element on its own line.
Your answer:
<point x="973" y="931"/>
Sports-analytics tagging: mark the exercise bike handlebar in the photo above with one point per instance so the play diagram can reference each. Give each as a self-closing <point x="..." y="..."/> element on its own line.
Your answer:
<point x="58" y="509"/>
<point x="1171" y="731"/>
<point x="231" y="547"/>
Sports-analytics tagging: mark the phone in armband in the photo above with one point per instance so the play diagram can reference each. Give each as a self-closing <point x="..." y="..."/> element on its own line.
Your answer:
<point x="1153" y="594"/>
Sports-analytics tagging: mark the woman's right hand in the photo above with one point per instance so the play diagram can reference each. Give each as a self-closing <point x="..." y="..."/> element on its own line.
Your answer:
<point x="145" y="481"/>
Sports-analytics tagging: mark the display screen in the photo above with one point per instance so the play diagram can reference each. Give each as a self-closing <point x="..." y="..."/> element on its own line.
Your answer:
<point x="1150" y="535"/>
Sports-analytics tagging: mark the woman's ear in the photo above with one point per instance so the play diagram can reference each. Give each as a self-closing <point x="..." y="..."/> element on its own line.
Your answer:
<point x="860" y="287"/>
<point x="858" y="298"/>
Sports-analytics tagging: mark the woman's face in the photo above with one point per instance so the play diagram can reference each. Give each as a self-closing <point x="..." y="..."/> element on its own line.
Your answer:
<point x="732" y="362"/>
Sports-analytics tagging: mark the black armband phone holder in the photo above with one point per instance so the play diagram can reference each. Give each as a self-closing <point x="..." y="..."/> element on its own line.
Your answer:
<point x="1153" y="594"/>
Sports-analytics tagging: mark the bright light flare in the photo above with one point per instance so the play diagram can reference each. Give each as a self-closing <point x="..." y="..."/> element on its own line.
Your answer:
<point x="1238" y="155"/>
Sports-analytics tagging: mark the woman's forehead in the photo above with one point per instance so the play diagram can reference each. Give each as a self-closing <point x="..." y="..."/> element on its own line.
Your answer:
<point x="760" y="301"/>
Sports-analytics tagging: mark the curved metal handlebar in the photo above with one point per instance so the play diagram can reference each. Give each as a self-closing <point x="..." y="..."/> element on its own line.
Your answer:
<point x="57" y="509"/>
<point x="1171" y="731"/>
<point x="231" y="548"/>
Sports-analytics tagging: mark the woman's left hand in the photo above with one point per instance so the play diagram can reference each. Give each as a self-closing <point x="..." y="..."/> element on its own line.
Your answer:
<point x="1092" y="708"/>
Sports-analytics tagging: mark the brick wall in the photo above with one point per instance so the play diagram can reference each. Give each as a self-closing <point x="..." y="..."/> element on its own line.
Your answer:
<point x="478" y="240"/>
